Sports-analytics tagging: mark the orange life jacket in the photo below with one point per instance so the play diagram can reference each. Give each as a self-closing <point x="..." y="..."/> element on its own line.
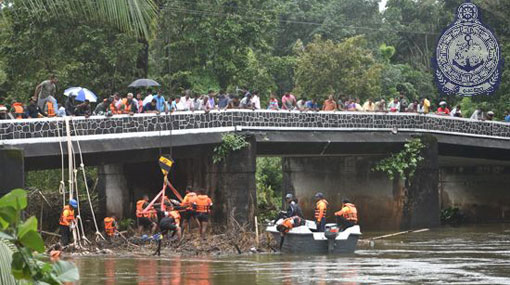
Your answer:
<point x="55" y="255"/>
<point x="203" y="204"/>
<point x="114" y="109"/>
<point x="66" y="221"/>
<point x="109" y="226"/>
<point x="50" y="110"/>
<point x="176" y="216"/>
<point x="18" y="110"/>
<point x="289" y="223"/>
<point x="321" y="208"/>
<point x="349" y="212"/>
<point x="126" y="107"/>
<point x="139" y="209"/>
<point x="188" y="200"/>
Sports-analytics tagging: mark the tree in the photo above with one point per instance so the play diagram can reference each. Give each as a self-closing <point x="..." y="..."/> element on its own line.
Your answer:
<point x="348" y="67"/>
<point x="132" y="16"/>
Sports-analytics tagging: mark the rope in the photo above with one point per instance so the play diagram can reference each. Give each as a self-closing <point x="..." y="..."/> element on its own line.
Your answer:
<point x="62" y="185"/>
<point x="82" y="167"/>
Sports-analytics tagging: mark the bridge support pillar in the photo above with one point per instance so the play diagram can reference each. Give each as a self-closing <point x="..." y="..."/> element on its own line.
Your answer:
<point x="12" y="172"/>
<point x="113" y="191"/>
<point x="232" y="186"/>
<point x="421" y="201"/>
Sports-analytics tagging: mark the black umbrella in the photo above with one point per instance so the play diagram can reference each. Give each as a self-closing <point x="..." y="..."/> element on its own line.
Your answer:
<point x="143" y="83"/>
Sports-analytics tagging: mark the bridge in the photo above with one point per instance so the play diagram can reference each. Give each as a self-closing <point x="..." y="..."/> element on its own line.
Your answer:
<point x="332" y="152"/>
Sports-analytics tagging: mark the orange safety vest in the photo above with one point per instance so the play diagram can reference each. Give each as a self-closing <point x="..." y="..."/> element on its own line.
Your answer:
<point x="109" y="226"/>
<point x="203" y="204"/>
<point x="127" y="106"/>
<point x="349" y="212"/>
<point x="289" y="223"/>
<point x="188" y="200"/>
<point x="321" y="208"/>
<point x="139" y="209"/>
<point x="113" y="108"/>
<point x="66" y="221"/>
<point x="176" y="216"/>
<point x="18" y="110"/>
<point x="51" y="110"/>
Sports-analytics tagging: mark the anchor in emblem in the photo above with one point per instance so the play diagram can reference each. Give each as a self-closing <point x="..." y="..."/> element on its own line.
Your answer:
<point x="468" y="55"/>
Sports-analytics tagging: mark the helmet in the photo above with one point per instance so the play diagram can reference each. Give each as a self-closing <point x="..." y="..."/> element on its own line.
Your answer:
<point x="346" y="200"/>
<point x="73" y="203"/>
<point x="319" y="195"/>
<point x="289" y="197"/>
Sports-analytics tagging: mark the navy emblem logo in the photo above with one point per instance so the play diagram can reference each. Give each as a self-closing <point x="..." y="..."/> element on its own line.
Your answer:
<point x="467" y="59"/>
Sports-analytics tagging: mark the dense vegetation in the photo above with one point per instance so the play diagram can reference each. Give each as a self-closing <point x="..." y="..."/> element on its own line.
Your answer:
<point x="346" y="47"/>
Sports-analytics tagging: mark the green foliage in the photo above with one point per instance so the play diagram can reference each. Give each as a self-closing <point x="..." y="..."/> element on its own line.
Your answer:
<point x="452" y="216"/>
<point x="135" y="16"/>
<point x="269" y="182"/>
<point x="126" y="224"/>
<point x="403" y="164"/>
<point x="348" y="67"/>
<point x="229" y="143"/>
<point x="26" y="241"/>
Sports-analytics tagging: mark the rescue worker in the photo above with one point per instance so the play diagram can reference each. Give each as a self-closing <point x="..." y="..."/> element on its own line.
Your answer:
<point x="50" y="109"/>
<point x="56" y="253"/>
<point x="347" y="216"/>
<point x="168" y="221"/>
<point x="321" y="207"/>
<point x="202" y="207"/>
<point x="110" y="226"/>
<point x="67" y="221"/>
<point x="288" y="224"/>
<point x="187" y="203"/>
<point x="145" y="219"/>
<point x="292" y="210"/>
<point x="18" y="110"/>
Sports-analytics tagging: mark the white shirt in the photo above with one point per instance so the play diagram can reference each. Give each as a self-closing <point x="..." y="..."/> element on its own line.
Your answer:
<point x="256" y="100"/>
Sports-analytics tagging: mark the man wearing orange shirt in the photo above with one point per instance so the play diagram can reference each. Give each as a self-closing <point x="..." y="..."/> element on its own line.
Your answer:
<point x="329" y="104"/>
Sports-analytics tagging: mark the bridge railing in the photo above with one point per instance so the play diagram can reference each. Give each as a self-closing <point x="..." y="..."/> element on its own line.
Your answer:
<point x="250" y="120"/>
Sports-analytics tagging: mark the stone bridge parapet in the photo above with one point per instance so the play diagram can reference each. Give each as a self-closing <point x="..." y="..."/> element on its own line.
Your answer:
<point x="21" y="130"/>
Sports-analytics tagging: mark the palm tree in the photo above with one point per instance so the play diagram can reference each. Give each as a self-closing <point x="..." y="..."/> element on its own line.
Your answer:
<point x="137" y="17"/>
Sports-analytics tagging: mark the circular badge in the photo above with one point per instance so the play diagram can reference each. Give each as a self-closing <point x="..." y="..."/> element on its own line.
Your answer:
<point x="467" y="57"/>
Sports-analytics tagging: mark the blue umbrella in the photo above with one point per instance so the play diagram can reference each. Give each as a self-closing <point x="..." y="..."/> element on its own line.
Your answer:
<point x="143" y="83"/>
<point x="81" y="94"/>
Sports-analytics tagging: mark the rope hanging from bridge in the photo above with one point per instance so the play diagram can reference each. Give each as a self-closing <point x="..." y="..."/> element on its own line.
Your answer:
<point x="82" y="167"/>
<point x="62" y="185"/>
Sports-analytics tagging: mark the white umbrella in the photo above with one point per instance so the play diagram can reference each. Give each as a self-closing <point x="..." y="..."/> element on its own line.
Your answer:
<point x="81" y="94"/>
<point x="147" y="99"/>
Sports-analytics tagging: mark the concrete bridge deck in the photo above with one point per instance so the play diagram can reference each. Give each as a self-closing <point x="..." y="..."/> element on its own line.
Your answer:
<point x="324" y="133"/>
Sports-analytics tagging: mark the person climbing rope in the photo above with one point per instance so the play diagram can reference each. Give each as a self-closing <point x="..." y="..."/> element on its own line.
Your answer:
<point x="67" y="221"/>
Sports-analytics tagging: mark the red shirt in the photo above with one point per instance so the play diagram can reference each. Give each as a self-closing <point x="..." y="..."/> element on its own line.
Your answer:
<point x="442" y="110"/>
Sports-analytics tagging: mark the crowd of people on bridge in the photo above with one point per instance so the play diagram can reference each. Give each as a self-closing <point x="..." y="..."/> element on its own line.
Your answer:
<point x="44" y="104"/>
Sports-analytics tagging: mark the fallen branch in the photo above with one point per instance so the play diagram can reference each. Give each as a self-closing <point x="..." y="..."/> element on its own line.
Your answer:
<point x="48" y="233"/>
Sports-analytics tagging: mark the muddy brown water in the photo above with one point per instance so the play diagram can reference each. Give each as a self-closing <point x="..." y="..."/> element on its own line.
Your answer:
<point x="462" y="255"/>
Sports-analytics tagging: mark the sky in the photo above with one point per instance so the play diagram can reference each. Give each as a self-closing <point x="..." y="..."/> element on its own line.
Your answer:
<point x="382" y="4"/>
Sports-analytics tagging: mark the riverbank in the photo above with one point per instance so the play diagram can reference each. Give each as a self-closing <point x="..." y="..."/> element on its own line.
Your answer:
<point x="226" y="244"/>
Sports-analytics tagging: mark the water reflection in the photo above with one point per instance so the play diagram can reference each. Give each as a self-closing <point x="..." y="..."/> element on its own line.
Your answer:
<point x="474" y="255"/>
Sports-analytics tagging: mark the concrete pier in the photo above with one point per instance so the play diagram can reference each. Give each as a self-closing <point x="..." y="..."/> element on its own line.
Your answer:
<point x="12" y="174"/>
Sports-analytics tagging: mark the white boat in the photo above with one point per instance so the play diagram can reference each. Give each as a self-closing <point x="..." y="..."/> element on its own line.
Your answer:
<point x="304" y="239"/>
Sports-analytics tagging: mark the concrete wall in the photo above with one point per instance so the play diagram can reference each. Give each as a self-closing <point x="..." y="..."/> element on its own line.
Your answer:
<point x="11" y="170"/>
<point x="381" y="203"/>
<point x="481" y="192"/>
<point x="379" y="200"/>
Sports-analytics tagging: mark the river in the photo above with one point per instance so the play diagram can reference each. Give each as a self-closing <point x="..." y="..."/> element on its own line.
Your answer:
<point x="462" y="255"/>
